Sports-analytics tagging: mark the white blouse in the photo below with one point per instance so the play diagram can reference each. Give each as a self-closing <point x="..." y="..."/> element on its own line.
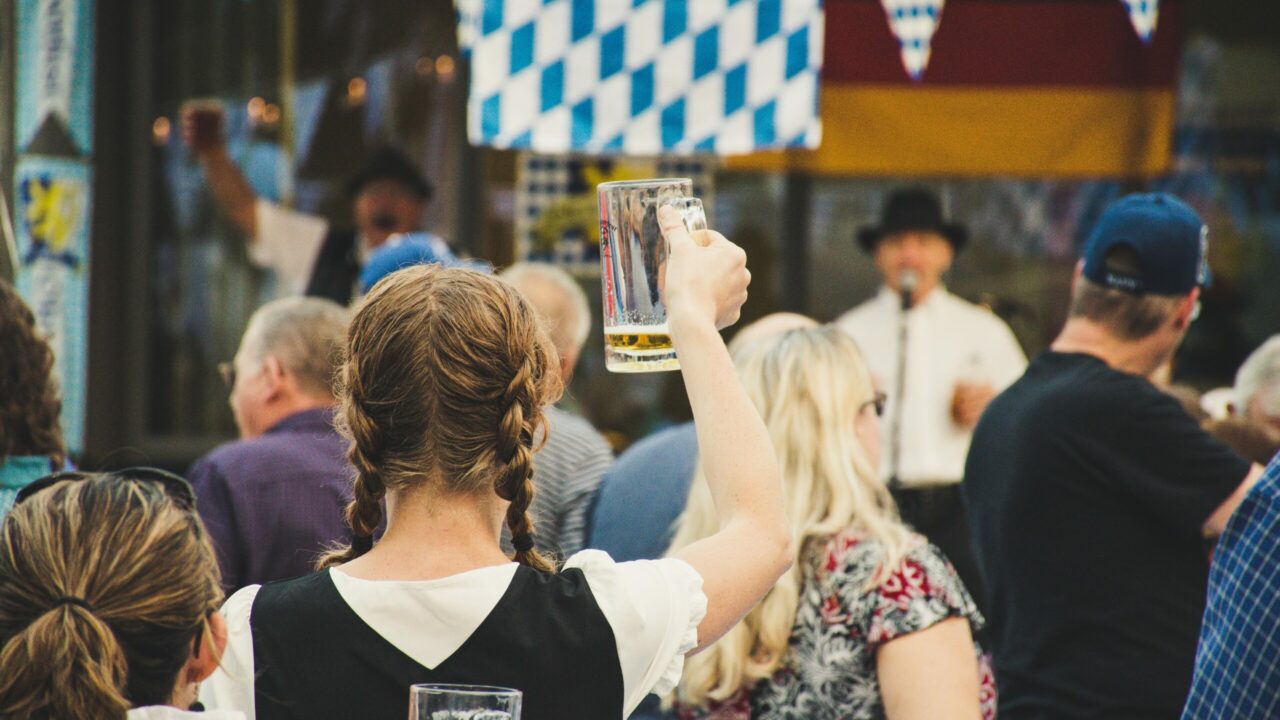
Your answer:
<point x="653" y="607"/>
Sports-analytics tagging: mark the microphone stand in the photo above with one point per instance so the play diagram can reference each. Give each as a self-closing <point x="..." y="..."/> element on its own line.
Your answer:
<point x="907" y="283"/>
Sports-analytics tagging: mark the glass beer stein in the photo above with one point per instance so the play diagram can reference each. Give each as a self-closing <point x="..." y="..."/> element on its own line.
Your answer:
<point x="633" y="256"/>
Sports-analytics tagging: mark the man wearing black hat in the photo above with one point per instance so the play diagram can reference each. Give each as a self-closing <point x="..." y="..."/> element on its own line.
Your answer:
<point x="308" y="255"/>
<point x="956" y="356"/>
<point x="1090" y="491"/>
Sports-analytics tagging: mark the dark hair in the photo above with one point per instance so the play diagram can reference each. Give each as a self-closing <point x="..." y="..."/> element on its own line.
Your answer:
<point x="1128" y="316"/>
<point x="388" y="163"/>
<point x="105" y="585"/>
<point x="446" y="375"/>
<point x="29" y="403"/>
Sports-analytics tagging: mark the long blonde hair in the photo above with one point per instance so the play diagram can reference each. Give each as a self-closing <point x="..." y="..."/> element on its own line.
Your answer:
<point x="808" y="385"/>
<point x="106" y="584"/>
<point x="445" y="377"/>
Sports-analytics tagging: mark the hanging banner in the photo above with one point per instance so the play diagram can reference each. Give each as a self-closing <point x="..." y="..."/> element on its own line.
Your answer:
<point x="52" y="216"/>
<point x="1001" y="96"/>
<point x="643" y="77"/>
<point x="55" y="77"/>
<point x="557" y="213"/>
<point x="53" y="107"/>
<point x="1143" y="14"/>
<point x="913" y="23"/>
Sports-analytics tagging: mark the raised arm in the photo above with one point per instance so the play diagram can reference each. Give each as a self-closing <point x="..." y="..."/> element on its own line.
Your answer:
<point x="705" y="287"/>
<point x="230" y="188"/>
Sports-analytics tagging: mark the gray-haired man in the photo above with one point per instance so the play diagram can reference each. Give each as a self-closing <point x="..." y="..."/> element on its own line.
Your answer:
<point x="274" y="499"/>
<point x="1257" y="385"/>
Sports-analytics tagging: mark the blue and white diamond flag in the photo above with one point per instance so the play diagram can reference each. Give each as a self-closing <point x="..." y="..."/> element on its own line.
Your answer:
<point x="643" y="77"/>
<point x="1143" y="15"/>
<point x="913" y="23"/>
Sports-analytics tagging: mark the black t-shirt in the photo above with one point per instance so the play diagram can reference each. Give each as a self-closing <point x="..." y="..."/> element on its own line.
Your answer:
<point x="1086" y="490"/>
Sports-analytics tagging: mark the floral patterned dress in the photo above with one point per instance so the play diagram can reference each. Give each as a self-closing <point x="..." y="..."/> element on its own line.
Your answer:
<point x="829" y="671"/>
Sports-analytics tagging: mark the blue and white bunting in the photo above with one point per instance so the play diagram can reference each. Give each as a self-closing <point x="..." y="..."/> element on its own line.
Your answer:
<point x="913" y="23"/>
<point x="1143" y="14"/>
<point x="643" y="77"/>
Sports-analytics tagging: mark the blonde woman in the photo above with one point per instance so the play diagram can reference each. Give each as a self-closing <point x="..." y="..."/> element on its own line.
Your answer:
<point x="871" y="621"/>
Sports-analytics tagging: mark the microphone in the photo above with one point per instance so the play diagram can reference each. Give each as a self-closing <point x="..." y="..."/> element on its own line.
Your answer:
<point x="908" y="279"/>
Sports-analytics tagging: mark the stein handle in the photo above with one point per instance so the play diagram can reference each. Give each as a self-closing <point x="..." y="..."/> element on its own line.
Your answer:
<point x="695" y="219"/>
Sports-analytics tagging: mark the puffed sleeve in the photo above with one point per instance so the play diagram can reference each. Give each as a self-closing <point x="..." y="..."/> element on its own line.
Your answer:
<point x="654" y="608"/>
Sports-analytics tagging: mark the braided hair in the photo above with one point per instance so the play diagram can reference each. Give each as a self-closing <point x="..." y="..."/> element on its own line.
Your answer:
<point x="445" y="376"/>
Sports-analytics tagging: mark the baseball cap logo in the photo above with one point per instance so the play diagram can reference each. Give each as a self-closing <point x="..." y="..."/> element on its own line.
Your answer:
<point x="1202" y="270"/>
<point x="1127" y="283"/>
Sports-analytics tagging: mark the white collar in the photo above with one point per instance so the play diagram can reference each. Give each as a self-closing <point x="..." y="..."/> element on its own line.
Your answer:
<point x="428" y="620"/>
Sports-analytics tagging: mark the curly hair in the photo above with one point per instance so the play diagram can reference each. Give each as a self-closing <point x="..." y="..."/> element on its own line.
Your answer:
<point x="29" y="402"/>
<point x="446" y="375"/>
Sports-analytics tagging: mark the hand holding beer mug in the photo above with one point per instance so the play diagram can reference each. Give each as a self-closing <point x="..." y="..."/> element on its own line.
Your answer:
<point x="706" y="276"/>
<point x="202" y="122"/>
<point x="633" y="264"/>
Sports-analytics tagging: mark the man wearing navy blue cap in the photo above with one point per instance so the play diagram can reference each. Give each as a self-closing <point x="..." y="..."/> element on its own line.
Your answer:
<point x="1089" y="491"/>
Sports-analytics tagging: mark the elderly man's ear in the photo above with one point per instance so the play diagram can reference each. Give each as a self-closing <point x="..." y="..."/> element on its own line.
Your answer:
<point x="274" y="376"/>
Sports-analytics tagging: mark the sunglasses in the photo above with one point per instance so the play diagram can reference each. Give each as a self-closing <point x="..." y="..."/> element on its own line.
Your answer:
<point x="178" y="489"/>
<point x="878" y="402"/>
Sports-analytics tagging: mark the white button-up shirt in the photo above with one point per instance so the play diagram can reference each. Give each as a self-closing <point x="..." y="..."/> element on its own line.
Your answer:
<point x="949" y="340"/>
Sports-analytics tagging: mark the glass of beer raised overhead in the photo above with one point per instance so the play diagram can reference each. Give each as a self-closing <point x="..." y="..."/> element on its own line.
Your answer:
<point x="633" y="257"/>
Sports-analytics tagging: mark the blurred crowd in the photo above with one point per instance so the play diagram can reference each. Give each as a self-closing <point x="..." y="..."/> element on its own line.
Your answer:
<point x="893" y="515"/>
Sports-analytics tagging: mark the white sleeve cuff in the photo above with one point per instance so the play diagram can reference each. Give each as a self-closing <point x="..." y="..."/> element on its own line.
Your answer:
<point x="689" y="586"/>
<point x="654" y="608"/>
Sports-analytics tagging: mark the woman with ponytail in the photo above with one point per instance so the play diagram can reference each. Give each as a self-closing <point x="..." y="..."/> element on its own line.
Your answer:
<point x="871" y="621"/>
<point x="108" y="600"/>
<point x="446" y="375"/>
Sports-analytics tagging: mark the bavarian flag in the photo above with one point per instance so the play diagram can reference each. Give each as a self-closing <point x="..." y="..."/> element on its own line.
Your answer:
<point x="1031" y="88"/>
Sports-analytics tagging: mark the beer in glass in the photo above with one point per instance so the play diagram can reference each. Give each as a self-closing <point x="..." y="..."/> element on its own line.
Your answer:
<point x="633" y="257"/>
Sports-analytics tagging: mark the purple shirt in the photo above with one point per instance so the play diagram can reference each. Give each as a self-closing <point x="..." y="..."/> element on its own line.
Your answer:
<point x="274" y="502"/>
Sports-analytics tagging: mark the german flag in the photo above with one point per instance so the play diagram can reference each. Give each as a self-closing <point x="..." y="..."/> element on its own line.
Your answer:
<point x="1053" y="88"/>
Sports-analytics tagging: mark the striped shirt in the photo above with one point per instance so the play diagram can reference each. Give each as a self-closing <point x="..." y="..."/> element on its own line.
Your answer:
<point x="566" y="475"/>
<point x="1237" y="671"/>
